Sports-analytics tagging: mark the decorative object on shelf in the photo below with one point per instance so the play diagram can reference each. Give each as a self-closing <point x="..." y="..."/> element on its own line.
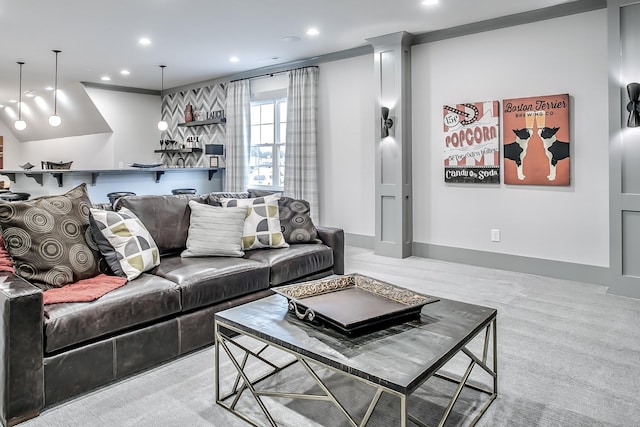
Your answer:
<point x="162" y="125"/>
<point x="54" y="119"/>
<point x="218" y="114"/>
<point x="46" y="164"/>
<point x="20" y="124"/>
<point x="27" y="166"/>
<point x="192" y="142"/>
<point x="188" y="113"/>
<point x="387" y="123"/>
<point x="213" y="161"/>
<point x="215" y="149"/>
<point x="199" y="115"/>
<point x="145" y="165"/>
<point x="633" y="107"/>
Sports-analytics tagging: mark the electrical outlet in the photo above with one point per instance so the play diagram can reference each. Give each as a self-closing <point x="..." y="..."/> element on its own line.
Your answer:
<point x="495" y="235"/>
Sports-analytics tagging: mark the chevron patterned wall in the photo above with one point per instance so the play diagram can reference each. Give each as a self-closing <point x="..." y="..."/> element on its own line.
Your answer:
<point x="208" y="99"/>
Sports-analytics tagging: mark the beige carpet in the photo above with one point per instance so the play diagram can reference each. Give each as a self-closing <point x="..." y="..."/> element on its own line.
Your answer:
<point x="568" y="354"/>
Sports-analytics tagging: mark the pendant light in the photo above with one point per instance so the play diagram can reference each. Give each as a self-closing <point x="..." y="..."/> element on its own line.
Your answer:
<point x="162" y="125"/>
<point x="20" y="124"/>
<point x="54" y="119"/>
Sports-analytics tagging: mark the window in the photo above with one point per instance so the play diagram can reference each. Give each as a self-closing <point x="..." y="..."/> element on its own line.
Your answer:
<point x="268" y="133"/>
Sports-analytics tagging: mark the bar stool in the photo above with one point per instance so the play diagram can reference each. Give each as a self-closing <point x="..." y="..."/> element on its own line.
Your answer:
<point x="183" y="191"/>
<point x="117" y="194"/>
<point x="14" y="197"/>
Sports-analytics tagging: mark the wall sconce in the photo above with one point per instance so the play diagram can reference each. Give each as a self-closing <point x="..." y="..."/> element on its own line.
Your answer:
<point x="387" y="123"/>
<point x="54" y="119"/>
<point x="162" y="125"/>
<point x="633" y="107"/>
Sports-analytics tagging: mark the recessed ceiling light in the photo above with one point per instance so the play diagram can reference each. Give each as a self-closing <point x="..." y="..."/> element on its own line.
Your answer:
<point x="144" y="41"/>
<point x="48" y="88"/>
<point x="313" y="32"/>
<point x="30" y="93"/>
<point x="105" y="78"/>
<point x="429" y="2"/>
<point x="291" y="39"/>
<point x="234" y="59"/>
<point x="1" y="106"/>
<point x="125" y="72"/>
<point x="13" y="101"/>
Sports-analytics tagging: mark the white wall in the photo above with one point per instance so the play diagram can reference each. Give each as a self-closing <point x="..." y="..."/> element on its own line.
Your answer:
<point x="346" y="145"/>
<point x="134" y="120"/>
<point x="564" y="55"/>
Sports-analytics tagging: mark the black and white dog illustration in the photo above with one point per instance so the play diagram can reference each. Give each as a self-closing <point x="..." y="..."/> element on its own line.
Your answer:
<point x="554" y="149"/>
<point x="517" y="150"/>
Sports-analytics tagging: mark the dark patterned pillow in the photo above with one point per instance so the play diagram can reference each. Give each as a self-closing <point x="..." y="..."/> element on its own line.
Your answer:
<point x="295" y="221"/>
<point x="49" y="238"/>
<point x="215" y="199"/>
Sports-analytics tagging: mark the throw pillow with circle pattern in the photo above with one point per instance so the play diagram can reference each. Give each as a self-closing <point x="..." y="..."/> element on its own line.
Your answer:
<point x="125" y="242"/>
<point x="295" y="221"/>
<point x="262" y="224"/>
<point x="49" y="238"/>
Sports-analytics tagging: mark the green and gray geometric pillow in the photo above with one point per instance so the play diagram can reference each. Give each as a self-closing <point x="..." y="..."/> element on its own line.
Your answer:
<point x="124" y="242"/>
<point x="262" y="224"/>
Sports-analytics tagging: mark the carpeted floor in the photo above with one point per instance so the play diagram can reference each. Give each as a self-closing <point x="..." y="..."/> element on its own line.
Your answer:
<point x="568" y="355"/>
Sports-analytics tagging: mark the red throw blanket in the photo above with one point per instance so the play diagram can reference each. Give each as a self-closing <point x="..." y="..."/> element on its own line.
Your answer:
<point x="83" y="290"/>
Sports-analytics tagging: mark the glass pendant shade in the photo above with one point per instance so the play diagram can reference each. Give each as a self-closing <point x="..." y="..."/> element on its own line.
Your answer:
<point x="162" y="125"/>
<point x="55" y="120"/>
<point x="20" y="125"/>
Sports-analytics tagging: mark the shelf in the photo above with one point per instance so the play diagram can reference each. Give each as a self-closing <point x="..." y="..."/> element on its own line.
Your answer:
<point x="59" y="173"/>
<point x="204" y="122"/>
<point x="180" y="150"/>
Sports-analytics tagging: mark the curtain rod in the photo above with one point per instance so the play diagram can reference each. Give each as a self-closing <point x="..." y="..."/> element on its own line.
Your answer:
<point x="274" y="73"/>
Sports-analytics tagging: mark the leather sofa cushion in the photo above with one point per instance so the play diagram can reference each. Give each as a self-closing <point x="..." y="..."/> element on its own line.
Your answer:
<point x="208" y="280"/>
<point x="166" y="217"/>
<point x="143" y="300"/>
<point x="294" y="262"/>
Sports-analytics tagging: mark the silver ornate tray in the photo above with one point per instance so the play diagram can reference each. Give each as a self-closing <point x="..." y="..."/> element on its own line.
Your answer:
<point x="353" y="303"/>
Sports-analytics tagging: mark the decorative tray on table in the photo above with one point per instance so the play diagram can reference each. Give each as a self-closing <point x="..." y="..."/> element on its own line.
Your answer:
<point x="353" y="303"/>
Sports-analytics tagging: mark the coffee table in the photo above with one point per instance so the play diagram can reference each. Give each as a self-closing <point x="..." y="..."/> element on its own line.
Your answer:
<point x="396" y="360"/>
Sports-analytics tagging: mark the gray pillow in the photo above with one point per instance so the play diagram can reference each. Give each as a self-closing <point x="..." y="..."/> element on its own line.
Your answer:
<point x="295" y="221"/>
<point x="215" y="231"/>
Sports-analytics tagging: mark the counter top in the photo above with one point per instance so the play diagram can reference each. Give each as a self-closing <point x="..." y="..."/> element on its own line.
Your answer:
<point x="38" y="174"/>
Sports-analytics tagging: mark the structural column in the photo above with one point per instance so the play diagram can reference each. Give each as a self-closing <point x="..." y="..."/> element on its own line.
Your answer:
<point x="392" y="71"/>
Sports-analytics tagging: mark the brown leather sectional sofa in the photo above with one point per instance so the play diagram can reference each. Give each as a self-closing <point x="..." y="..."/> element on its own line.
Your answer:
<point x="54" y="352"/>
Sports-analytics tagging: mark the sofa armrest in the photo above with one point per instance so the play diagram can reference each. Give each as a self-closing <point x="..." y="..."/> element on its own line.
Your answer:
<point x="21" y="349"/>
<point x="334" y="238"/>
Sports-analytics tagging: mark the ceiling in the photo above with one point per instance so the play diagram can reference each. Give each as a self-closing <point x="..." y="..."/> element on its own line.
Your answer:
<point x="196" y="39"/>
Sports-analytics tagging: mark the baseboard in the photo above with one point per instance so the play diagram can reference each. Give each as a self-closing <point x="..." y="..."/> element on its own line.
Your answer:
<point x="359" y="240"/>
<point x="521" y="264"/>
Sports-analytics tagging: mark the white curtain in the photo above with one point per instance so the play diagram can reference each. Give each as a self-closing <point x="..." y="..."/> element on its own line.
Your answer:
<point x="301" y="170"/>
<point x="238" y="111"/>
